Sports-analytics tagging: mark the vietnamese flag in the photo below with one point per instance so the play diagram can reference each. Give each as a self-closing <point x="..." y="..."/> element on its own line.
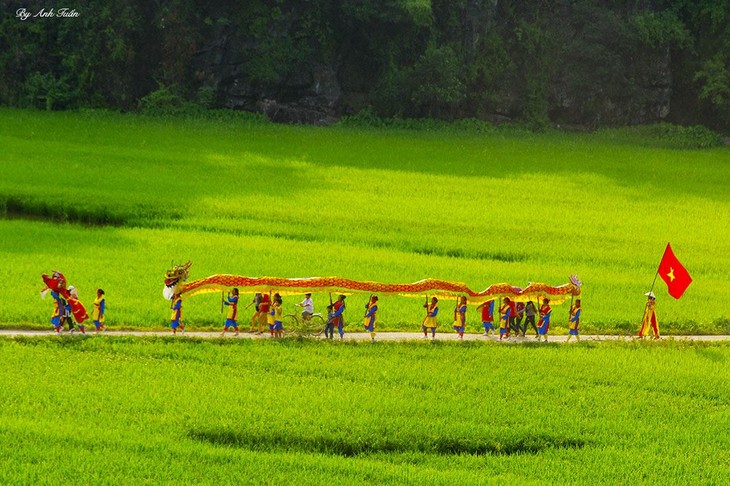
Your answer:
<point x="674" y="274"/>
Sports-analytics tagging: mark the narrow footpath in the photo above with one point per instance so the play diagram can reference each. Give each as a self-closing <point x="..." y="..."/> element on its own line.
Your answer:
<point x="362" y="336"/>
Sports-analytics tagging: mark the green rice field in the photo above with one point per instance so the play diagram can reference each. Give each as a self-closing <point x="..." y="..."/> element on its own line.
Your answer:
<point x="181" y="411"/>
<point x="111" y="199"/>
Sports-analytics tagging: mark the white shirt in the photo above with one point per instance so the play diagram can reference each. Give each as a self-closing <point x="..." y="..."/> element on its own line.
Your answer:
<point x="308" y="305"/>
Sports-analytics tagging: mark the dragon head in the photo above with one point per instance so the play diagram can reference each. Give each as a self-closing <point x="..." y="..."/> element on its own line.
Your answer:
<point x="56" y="282"/>
<point x="175" y="279"/>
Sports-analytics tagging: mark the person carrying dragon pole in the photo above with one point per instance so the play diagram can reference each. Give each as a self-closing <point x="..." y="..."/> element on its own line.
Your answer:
<point x="530" y="313"/>
<point x="371" y="308"/>
<point x="574" y="321"/>
<point x="543" y="325"/>
<point x="176" y="318"/>
<point x="430" y="322"/>
<point x="487" y="316"/>
<point x="460" y="316"/>
<point x="337" y="309"/>
<point x="256" y="316"/>
<point x="505" y="316"/>
<point x="232" y="317"/>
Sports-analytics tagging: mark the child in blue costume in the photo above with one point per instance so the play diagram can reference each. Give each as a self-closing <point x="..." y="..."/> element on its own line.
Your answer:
<point x="59" y="306"/>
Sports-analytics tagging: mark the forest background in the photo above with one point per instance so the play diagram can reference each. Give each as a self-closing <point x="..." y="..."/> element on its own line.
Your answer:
<point x="580" y="64"/>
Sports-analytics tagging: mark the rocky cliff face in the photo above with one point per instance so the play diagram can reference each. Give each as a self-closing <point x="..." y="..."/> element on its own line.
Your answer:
<point x="616" y="102"/>
<point x="306" y="95"/>
<point x="318" y="90"/>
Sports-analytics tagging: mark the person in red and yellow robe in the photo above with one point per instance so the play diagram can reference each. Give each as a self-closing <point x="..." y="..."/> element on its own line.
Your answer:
<point x="543" y="325"/>
<point x="649" y="320"/>
<point x="487" y="316"/>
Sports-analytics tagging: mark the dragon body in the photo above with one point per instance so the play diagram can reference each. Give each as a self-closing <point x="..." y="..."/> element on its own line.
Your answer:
<point x="175" y="282"/>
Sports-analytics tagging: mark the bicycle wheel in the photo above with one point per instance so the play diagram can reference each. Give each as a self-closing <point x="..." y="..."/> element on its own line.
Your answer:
<point x="291" y="325"/>
<point x="316" y="325"/>
<point x="307" y="328"/>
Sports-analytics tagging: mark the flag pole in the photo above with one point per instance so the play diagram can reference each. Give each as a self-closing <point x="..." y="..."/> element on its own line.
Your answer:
<point x="655" y="276"/>
<point x="657" y="269"/>
<point x="570" y="309"/>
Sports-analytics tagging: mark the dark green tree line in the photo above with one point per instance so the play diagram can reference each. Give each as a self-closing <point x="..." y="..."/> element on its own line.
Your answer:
<point x="588" y="62"/>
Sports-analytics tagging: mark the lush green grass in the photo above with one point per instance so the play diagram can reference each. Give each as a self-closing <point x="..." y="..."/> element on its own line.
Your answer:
<point x="248" y="411"/>
<point x="394" y="205"/>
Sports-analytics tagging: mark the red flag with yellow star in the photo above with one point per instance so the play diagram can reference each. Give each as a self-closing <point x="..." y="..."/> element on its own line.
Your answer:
<point x="674" y="274"/>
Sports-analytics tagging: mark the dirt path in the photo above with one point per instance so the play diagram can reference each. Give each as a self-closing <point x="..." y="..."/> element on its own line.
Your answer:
<point x="362" y="336"/>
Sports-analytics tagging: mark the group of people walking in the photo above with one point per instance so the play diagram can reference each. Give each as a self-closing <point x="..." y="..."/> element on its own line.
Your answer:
<point x="268" y="311"/>
<point x="513" y="317"/>
<point x="62" y="312"/>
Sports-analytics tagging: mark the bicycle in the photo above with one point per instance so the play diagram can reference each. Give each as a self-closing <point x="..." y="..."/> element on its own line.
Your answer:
<point x="297" y="325"/>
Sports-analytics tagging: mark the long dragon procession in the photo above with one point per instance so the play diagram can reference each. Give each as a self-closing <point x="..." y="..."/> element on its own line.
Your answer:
<point x="175" y="282"/>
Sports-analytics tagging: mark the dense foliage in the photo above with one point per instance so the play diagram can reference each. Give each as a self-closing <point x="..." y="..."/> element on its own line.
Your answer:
<point x="563" y="61"/>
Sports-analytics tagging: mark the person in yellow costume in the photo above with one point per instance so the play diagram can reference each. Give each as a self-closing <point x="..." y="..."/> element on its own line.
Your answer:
<point x="99" y="313"/>
<point x="506" y="315"/>
<point x="649" y="320"/>
<point x="430" y="322"/>
<point x="460" y="317"/>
